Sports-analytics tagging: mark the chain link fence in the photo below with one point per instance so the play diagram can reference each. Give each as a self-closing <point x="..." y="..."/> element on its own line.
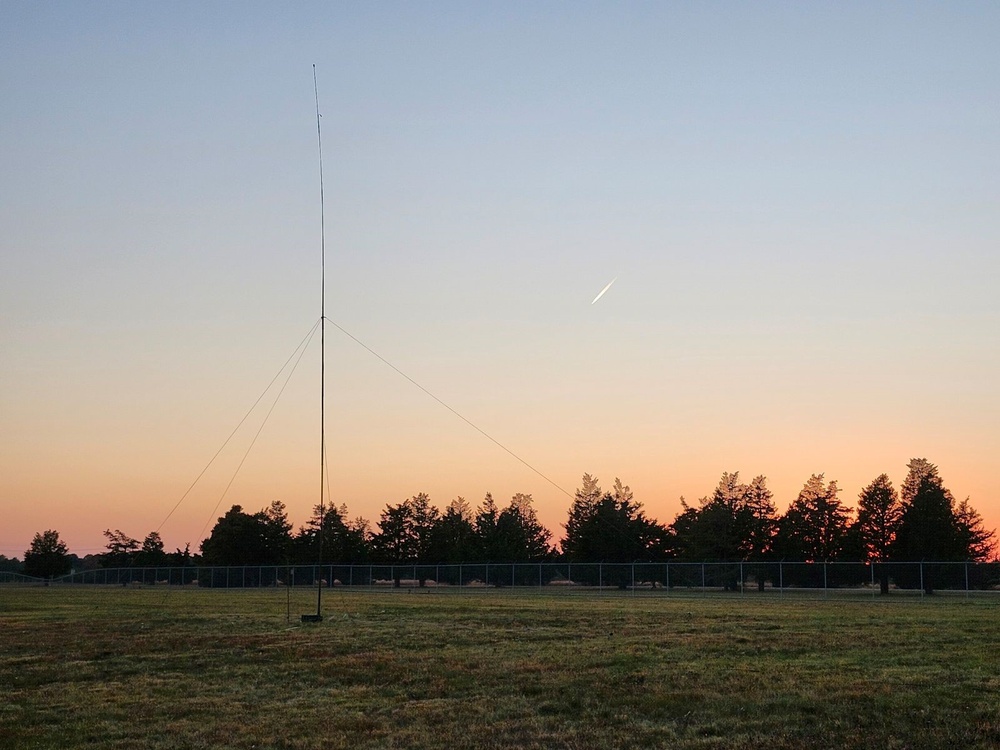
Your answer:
<point x="740" y="577"/>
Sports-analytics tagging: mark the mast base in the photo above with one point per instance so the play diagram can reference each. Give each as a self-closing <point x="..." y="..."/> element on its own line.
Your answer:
<point x="312" y="618"/>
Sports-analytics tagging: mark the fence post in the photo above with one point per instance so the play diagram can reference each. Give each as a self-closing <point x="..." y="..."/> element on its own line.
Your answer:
<point x="667" y="576"/>
<point x="741" y="577"/>
<point x="921" y="578"/>
<point x="703" y="578"/>
<point x="540" y="576"/>
<point x="966" y="579"/>
<point x="633" y="578"/>
<point x="824" y="578"/>
<point x="600" y="576"/>
<point x="781" y="576"/>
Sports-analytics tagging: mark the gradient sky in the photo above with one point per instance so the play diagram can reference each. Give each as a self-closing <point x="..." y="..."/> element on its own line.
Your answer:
<point x="799" y="202"/>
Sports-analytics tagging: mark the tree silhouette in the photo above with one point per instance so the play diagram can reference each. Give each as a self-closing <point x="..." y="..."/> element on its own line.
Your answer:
<point x="585" y="500"/>
<point x="814" y="528"/>
<point x="47" y="557"/>
<point x="240" y="538"/>
<point x="879" y="514"/>
<point x="522" y="536"/>
<point x="344" y="540"/>
<point x="763" y="522"/>
<point x="513" y="534"/>
<point x="122" y="549"/>
<point x="405" y="533"/>
<point x="453" y="537"/>
<point x="10" y="565"/>
<point x="614" y="528"/>
<point x="927" y="529"/>
<point x="733" y="524"/>
<point x="151" y="553"/>
<point x="979" y="543"/>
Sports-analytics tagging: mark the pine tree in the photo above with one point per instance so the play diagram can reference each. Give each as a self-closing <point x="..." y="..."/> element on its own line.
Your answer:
<point x="879" y="514"/>
<point x="722" y="527"/>
<point x="522" y="537"/>
<point x="759" y="501"/>
<point x="453" y="538"/>
<point x="344" y="540"/>
<point x="979" y="543"/>
<point x="814" y="528"/>
<point x="612" y="529"/>
<point x="151" y="554"/>
<point x="585" y="500"/>
<point x="928" y="529"/>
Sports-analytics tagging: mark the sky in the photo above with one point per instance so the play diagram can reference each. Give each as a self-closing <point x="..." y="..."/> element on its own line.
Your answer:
<point x="799" y="202"/>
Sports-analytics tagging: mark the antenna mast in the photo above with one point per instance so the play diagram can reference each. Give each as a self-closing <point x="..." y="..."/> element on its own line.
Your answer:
<point x="318" y="617"/>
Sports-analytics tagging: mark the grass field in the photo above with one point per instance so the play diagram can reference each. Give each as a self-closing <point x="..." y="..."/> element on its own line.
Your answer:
<point x="172" y="668"/>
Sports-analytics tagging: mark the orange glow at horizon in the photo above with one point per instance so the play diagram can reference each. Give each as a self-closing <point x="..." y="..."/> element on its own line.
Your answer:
<point x="87" y="495"/>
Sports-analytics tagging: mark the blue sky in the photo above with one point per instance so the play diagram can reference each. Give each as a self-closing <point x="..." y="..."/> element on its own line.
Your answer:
<point x="799" y="202"/>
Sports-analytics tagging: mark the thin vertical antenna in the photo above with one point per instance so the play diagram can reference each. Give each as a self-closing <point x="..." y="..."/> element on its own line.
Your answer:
<point x="322" y="366"/>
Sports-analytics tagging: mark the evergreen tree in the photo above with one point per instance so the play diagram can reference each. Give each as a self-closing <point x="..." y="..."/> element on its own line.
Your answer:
<point x="933" y="526"/>
<point x="344" y="540"/>
<point x="815" y="526"/>
<point x="726" y="525"/>
<point x="612" y="528"/>
<point x="585" y="500"/>
<point x="453" y="538"/>
<point x="763" y="521"/>
<point x="879" y="513"/>
<point x="928" y="528"/>
<point x="918" y="470"/>
<point x="521" y="535"/>
<point x="405" y="531"/>
<point x="684" y="532"/>
<point x="151" y="553"/>
<point x="277" y="532"/>
<point x="979" y="543"/>
<point x="489" y="542"/>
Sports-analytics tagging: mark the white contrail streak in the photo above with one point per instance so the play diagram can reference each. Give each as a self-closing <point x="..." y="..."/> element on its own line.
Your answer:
<point x="605" y="289"/>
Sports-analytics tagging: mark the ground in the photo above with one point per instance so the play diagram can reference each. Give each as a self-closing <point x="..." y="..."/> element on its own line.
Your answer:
<point x="163" y="667"/>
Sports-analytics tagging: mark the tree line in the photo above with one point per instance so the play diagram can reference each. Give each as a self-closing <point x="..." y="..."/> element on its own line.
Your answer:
<point x="738" y="521"/>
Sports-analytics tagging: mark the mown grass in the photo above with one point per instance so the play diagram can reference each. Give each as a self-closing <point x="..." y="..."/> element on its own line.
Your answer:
<point x="170" y="668"/>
